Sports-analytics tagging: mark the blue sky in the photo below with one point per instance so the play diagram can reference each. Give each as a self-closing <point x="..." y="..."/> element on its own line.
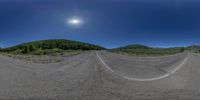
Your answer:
<point x="109" y="23"/>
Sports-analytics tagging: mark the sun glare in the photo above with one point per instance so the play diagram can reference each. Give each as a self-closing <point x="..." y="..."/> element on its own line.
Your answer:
<point x="74" y="21"/>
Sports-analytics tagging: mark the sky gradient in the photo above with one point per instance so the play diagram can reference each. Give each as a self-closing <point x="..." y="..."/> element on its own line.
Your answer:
<point x="109" y="23"/>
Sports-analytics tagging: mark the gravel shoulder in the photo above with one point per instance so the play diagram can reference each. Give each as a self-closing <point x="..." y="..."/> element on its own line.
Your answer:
<point x="43" y="59"/>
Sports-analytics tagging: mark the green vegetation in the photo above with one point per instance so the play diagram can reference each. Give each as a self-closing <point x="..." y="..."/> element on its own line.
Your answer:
<point x="194" y="48"/>
<point x="145" y="50"/>
<point x="61" y="46"/>
<point x="50" y="46"/>
<point x="47" y="51"/>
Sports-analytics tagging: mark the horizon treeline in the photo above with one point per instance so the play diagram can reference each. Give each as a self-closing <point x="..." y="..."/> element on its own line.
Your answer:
<point x="39" y="46"/>
<point x="138" y="49"/>
<point x="59" y="45"/>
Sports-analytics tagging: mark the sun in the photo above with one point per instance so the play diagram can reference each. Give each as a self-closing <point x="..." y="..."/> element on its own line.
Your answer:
<point x="74" y="21"/>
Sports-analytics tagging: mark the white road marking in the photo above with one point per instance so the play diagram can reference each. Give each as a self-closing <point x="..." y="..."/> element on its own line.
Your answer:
<point x="143" y="79"/>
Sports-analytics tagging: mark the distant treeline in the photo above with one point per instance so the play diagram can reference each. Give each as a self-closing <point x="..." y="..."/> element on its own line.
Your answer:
<point x="145" y="50"/>
<point x="62" y="45"/>
<point x="194" y="48"/>
<point x="55" y="44"/>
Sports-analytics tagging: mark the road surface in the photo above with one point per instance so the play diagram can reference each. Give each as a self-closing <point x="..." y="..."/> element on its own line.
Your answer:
<point x="100" y="75"/>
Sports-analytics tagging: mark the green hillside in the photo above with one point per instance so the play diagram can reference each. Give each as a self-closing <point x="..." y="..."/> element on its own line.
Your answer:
<point x="138" y="49"/>
<point x="135" y="46"/>
<point x="194" y="48"/>
<point x="53" y="45"/>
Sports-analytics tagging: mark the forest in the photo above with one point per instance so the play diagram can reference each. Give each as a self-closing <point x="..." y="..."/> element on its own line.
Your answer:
<point x="52" y="45"/>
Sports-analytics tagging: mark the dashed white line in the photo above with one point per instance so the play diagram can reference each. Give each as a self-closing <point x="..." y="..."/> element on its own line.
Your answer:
<point x="143" y="79"/>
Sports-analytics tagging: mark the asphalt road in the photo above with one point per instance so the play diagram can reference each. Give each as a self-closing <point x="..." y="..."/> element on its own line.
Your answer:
<point x="100" y="75"/>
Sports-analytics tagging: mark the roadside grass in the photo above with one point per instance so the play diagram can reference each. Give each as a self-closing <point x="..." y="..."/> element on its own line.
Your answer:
<point x="148" y="52"/>
<point x="43" y="56"/>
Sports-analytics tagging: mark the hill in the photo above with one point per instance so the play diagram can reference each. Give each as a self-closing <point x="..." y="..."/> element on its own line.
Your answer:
<point x="135" y="46"/>
<point x="194" y="48"/>
<point x="137" y="49"/>
<point x="43" y="46"/>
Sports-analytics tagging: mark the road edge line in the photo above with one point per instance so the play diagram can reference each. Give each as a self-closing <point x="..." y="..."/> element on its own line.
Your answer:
<point x="144" y="79"/>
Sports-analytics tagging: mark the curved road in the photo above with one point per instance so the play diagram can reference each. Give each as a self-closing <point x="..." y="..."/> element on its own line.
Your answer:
<point x="102" y="76"/>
